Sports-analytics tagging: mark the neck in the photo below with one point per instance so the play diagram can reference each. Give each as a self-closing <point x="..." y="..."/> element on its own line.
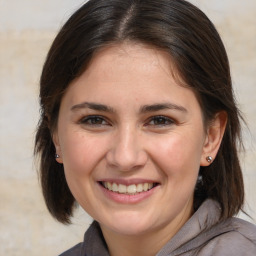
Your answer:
<point x="130" y="245"/>
<point x="145" y="244"/>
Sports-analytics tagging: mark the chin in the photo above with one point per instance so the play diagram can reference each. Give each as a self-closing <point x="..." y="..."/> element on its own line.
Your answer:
<point x="128" y="229"/>
<point x="130" y="225"/>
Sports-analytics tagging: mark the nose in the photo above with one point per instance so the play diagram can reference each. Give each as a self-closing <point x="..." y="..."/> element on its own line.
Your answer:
<point x="126" y="152"/>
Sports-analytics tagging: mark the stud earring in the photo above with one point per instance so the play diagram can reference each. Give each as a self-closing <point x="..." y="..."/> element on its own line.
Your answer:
<point x="209" y="159"/>
<point x="57" y="156"/>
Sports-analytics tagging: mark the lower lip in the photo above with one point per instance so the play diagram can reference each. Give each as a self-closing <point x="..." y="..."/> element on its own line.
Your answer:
<point x="126" y="198"/>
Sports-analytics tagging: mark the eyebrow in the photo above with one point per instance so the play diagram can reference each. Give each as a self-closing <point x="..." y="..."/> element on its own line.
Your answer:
<point x="93" y="106"/>
<point x="162" y="106"/>
<point x="143" y="109"/>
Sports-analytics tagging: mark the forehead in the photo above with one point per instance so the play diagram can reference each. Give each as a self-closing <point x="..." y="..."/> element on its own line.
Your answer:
<point x="129" y="63"/>
<point x="127" y="69"/>
<point x="135" y="53"/>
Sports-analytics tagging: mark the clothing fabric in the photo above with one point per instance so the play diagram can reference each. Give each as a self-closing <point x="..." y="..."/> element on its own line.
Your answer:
<point x="202" y="235"/>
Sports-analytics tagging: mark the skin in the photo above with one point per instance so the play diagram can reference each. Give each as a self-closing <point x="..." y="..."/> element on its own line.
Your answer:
<point x="127" y="141"/>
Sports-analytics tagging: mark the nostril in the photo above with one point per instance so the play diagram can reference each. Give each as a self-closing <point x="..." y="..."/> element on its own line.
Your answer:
<point x="126" y="155"/>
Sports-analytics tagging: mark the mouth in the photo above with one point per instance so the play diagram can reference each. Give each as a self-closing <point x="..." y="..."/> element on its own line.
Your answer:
<point x="131" y="189"/>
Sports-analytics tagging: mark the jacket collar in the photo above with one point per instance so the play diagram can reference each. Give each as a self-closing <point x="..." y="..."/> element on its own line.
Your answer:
<point x="200" y="228"/>
<point x="94" y="243"/>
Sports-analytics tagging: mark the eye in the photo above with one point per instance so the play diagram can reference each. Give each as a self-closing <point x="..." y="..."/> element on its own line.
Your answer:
<point x="160" y="121"/>
<point x="93" y="121"/>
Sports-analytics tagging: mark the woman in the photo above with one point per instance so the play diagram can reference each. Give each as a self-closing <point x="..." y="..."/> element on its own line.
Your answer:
<point x="139" y="126"/>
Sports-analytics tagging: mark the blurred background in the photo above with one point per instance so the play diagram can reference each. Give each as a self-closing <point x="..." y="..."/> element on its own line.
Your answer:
<point x="27" y="28"/>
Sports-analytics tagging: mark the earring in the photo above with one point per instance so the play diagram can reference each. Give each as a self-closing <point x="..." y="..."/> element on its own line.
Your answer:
<point x="57" y="156"/>
<point x="209" y="159"/>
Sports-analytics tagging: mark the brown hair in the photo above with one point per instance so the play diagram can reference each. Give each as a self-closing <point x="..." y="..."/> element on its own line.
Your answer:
<point x="199" y="56"/>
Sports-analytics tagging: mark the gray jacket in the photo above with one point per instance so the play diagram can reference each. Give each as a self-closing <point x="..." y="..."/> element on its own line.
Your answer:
<point x="202" y="235"/>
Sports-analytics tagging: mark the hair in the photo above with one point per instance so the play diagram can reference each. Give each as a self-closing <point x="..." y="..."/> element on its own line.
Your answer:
<point x="199" y="56"/>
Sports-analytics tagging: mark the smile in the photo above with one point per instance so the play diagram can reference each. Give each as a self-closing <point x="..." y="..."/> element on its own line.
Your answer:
<point x="130" y="189"/>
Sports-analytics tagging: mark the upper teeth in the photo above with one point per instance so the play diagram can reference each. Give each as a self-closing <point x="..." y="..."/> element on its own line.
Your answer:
<point x="131" y="189"/>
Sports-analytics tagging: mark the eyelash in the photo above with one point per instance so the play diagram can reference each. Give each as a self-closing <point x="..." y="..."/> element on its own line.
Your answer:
<point x="158" y="121"/>
<point x="94" y="121"/>
<point x="164" y="121"/>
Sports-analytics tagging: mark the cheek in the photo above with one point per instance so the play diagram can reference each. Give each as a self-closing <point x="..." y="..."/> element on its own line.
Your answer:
<point x="178" y="155"/>
<point x="80" y="153"/>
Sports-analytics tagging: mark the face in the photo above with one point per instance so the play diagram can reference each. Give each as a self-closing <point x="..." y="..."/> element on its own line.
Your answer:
<point x="131" y="141"/>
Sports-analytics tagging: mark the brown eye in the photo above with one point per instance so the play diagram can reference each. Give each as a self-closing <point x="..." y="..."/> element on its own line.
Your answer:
<point x="160" y="121"/>
<point x="93" y="120"/>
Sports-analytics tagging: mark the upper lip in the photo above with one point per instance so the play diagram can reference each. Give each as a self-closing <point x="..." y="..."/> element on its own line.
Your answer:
<point x="128" y="182"/>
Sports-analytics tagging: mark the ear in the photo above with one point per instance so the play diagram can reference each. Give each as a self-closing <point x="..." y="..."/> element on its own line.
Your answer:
<point x="215" y="132"/>
<point x="56" y="143"/>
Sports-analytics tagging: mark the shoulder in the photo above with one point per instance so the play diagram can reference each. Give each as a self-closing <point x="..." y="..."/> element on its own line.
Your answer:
<point x="239" y="240"/>
<point x="93" y="244"/>
<point x="74" y="251"/>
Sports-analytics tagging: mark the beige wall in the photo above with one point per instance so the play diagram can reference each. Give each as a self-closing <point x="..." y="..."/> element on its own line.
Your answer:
<point x="27" y="28"/>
